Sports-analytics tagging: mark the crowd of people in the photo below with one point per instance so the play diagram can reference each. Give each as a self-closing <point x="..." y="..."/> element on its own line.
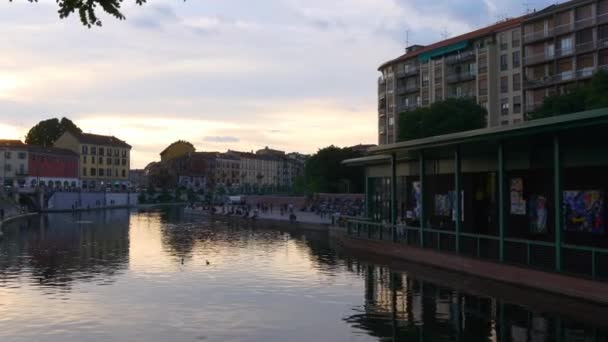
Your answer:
<point x="328" y="207"/>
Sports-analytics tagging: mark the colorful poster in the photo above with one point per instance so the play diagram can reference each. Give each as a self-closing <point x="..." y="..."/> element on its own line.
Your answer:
<point x="452" y="195"/>
<point x="442" y="205"/>
<point x="538" y="214"/>
<point x="518" y="204"/>
<point x="584" y="211"/>
<point x="417" y="196"/>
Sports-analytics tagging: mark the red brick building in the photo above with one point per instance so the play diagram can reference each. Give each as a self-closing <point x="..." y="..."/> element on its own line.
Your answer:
<point x="52" y="167"/>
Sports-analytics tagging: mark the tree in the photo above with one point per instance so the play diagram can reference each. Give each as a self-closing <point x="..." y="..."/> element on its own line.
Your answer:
<point x="444" y="117"/>
<point x="46" y="132"/>
<point x="86" y="9"/>
<point x="326" y="173"/>
<point x="576" y="99"/>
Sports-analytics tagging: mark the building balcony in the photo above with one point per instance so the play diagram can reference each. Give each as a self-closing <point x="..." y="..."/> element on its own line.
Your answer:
<point x="465" y="94"/>
<point x="460" y="58"/>
<point x="583" y="23"/>
<point x="408" y="73"/>
<point x="538" y="58"/>
<point x="381" y="81"/>
<point x="381" y="94"/>
<point x="563" y="52"/>
<point x="407" y="107"/>
<point x="602" y="43"/>
<point x="408" y="89"/>
<point x="586" y="47"/>
<point x="382" y="112"/>
<point x="536" y="36"/>
<point x="563" y="28"/>
<point x="602" y="18"/>
<point x="460" y="77"/>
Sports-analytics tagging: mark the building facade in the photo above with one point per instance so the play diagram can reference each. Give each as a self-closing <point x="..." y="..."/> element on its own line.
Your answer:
<point x="13" y="163"/>
<point x="564" y="45"/>
<point x="52" y="168"/>
<point x="104" y="160"/>
<point x="483" y="65"/>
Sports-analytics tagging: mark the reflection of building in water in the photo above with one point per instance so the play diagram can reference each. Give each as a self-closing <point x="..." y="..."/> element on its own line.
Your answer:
<point x="63" y="248"/>
<point x="401" y="307"/>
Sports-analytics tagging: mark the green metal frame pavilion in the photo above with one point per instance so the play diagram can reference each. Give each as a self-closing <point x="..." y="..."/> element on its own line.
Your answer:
<point x="556" y="132"/>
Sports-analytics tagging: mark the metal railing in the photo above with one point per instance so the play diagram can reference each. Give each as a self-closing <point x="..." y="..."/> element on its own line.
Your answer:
<point x="409" y="72"/>
<point x="408" y="89"/>
<point x="538" y="58"/>
<point x="461" y="76"/>
<point x="584" y="261"/>
<point x="584" y="47"/>
<point x="460" y="57"/>
<point x="530" y="37"/>
<point x="581" y="23"/>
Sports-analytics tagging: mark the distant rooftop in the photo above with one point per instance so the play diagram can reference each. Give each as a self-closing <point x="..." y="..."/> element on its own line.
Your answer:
<point x="96" y="139"/>
<point x="12" y="143"/>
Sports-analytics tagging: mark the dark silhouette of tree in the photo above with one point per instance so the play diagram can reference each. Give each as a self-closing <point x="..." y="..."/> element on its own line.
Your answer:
<point x="46" y="132"/>
<point x="86" y="9"/>
<point x="578" y="99"/>
<point x="325" y="172"/>
<point x="444" y="117"/>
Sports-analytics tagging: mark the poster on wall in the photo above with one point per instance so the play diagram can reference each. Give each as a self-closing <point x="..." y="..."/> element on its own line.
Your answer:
<point x="537" y="208"/>
<point x="518" y="204"/>
<point x="442" y="205"/>
<point x="584" y="211"/>
<point x="417" y="196"/>
<point x="452" y="195"/>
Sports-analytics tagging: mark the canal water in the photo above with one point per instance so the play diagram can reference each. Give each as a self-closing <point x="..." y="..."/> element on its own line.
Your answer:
<point x="163" y="276"/>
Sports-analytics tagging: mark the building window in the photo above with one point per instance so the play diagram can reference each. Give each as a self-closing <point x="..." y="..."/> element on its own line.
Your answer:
<point x="124" y="173"/>
<point x="391" y="122"/>
<point x="100" y="160"/>
<point x="21" y="155"/>
<point x="93" y="150"/>
<point x="93" y="172"/>
<point x="504" y="43"/>
<point x="102" y="151"/>
<point x="124" y="162"/>
<point x="504" y="123"/>
<point x="515" y="42"/>
<point x="84" y="159"/>
<point x="116" y="161"/>
<point x="516" y="82"/>
<point x="504" y="106"/>
<point x="504" y="84"/>
<point x="7" y="155"/>
<point x="124" y="153"/>
<point x="109" y="172"/>
<point x="517" y="104"/>
<point x="115" y="152"/>
<point x="101" y="172"/>
<point x="516" y="59"/>
<point x="504" y="63"/>
<point x="109" y="161"/>
<point x="85" y="149"/>
<point x="115" y="172"/>
<point x="84" y="171"/>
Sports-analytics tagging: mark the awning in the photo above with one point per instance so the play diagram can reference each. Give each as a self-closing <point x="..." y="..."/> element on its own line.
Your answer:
<point x="426" y="56"/>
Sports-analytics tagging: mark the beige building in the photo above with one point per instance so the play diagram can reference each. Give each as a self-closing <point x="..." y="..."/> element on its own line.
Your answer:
<point x="484" y="65"/>
<point x="564" y="45"/>
<point x="104" y="160"/>
<point x="13" y="163"/>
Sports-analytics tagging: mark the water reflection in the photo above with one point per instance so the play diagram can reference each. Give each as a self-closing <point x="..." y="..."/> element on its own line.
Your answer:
<point x="173" y="277"/>
<point x="57" y="250"/>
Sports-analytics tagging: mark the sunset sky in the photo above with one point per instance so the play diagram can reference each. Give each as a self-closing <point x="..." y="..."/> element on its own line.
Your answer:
<point x="294" y="75"/>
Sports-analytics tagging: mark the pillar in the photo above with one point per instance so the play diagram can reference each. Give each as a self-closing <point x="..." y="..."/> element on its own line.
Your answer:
<point x="557" y="186"/>
<point x="501" y="200"/>
<point x="422" y="176"/>
<point x="458" y="199"/>
<point x="394" y="196"/>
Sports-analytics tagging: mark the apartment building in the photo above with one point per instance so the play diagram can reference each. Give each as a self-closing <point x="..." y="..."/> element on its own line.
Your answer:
<point x="564" y="45"/>
<point x="13" y="163"/>
<point x="484" y="65"/>
<point x="52" y="168"/>
<point x="104" y="160"/>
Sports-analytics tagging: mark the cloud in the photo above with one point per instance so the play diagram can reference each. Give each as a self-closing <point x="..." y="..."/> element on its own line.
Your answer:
<point x="295" y="75"/>
<point x="222" y="139"/>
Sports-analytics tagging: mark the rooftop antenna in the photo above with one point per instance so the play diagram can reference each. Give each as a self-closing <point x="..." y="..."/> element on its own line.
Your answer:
<point x="526" y="7"/>
<point x="445" y="34"/>
<point x="407" y="39"/>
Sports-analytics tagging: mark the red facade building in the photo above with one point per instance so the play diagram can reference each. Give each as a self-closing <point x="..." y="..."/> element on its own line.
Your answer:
<point x="52" y="167"/>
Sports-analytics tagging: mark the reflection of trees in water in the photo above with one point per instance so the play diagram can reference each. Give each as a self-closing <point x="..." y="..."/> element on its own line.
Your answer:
<point x="58" y="249"/>
<point x="402" y="308"/>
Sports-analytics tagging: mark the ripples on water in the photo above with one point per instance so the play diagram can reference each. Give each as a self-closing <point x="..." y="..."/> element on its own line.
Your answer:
<point x="160" y="276"/>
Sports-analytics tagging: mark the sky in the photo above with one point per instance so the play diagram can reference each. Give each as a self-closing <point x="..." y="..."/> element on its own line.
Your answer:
<point x="295" y="75"/>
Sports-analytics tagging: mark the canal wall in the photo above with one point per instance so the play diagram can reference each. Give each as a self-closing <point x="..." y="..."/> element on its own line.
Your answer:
<point x="593" y="291"/>
<point x="64" y="201"/>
